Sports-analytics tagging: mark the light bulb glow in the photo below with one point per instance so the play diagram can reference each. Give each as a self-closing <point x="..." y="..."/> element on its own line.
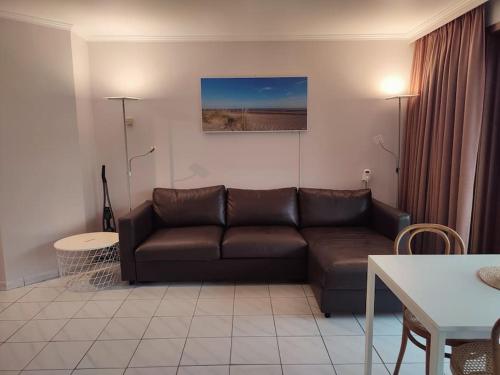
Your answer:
<point x="392" y="85"/>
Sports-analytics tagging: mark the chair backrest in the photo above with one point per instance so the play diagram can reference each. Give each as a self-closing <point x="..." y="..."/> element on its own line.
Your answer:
<point x="443" y="231"/>
<point x="495" y="338"/>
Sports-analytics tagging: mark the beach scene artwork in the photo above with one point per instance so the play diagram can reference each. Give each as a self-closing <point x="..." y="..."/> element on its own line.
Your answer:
<point x="254" y="104"/>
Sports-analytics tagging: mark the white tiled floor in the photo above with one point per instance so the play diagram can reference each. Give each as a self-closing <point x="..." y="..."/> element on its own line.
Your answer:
<point x="188" y="329"/>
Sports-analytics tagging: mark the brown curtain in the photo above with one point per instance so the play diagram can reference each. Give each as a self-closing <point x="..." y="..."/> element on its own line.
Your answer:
<point x="485" y="232"/>
<point x="443" y="124"/>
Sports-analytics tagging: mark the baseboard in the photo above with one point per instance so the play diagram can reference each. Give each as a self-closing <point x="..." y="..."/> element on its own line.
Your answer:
<point x="11" y="284"/>
<point x="48" y="275"/>
<point x="31" y="279"/>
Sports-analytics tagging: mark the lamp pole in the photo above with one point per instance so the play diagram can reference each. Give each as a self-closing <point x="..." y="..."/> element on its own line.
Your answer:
<point x="125" y="136"/>
<point x="398" y="157"/>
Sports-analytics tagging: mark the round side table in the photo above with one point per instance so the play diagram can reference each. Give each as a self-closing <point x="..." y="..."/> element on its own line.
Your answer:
<point x="90" y="261"/>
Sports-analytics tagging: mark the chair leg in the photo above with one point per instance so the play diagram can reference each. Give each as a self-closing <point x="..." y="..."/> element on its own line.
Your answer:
<point x="427" y="355"/>
<point x="404" y="341"/>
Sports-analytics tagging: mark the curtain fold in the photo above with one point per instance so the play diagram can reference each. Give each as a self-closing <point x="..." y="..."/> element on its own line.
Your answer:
<point x="443" y="124"/>
<point x="485" y="230"/>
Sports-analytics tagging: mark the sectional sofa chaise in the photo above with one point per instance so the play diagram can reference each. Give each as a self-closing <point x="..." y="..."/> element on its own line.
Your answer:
<point x="216" y="234"/>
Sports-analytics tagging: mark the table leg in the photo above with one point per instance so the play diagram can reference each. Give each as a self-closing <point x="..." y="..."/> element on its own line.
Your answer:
<point x="370" y="302"/>
<point x="436" y="365"/>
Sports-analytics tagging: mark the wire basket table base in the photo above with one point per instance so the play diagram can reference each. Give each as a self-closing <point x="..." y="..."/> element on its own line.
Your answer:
<point x="89" y="270"/>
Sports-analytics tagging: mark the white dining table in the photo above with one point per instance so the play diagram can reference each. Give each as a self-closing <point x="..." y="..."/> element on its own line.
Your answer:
<point x="442" y="291"/>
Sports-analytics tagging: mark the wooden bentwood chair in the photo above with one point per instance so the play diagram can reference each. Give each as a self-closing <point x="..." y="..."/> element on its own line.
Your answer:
<point x="479" y="357"/>
<point x="411" y="325"/>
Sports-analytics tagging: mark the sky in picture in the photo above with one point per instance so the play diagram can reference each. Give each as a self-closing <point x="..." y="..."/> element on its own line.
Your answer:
<point x="280" y="92"/>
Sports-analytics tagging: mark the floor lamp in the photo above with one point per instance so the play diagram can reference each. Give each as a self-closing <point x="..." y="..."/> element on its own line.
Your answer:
<point x="398" y="155"/>
<point x="128" y="161"/>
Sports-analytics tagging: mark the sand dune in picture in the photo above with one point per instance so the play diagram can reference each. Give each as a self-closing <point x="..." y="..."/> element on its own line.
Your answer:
<point x="254" y="119"/>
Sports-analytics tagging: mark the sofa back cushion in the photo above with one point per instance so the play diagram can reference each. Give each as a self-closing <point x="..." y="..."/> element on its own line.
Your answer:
<point x="324" y="207"/>
<point x="190" y="207"/>
<point x="262" y="207"/>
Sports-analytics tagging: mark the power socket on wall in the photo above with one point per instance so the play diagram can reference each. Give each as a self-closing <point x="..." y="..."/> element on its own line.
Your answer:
<point x="366" y="176"/>
<point x="129" y="121"/>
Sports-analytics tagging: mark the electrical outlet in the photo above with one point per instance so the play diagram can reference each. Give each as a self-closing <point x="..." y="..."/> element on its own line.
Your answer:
<point x="366" y="175"/>
<point x="129" y="121"/>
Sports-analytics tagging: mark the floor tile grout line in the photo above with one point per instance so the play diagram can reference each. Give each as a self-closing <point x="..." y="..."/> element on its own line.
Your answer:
<point x="249" y="364"/>
<point x="110" y="319"/>
<point x="46" y="343"/>
<point x="6" y="307"/>
<point x="148" y="298"/>
<point x="385" y="365"/>
<point x="359" y="323"/>
<point x="21" y="296"/>
<point x="98" y="368"/>
<point x="17" y="330"/>
<point x="94" y="341"/>
<point x="53" y="336"/>
<point x="71" y="317"/>
<point x="37" y="301"/>
<point x="232" y="325"/>
<point x="164" y="297"/>
<point x="33" y="319"/>
<point x="322" y="338"/>
<point x="36" y="355"/>
<point x="185" y="316"/>
<point x="189" y="329"/>
<point x="193" y="337"/>
<point x="373" y="345"/>
<point x="276" y="332"/>
<point x="147" y="326"/>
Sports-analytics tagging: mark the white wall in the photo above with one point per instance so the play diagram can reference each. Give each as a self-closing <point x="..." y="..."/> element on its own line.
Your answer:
<point x="41" y="197"/>
<point x="2" y="264"/>
<point x="56" y="128"/>
<point x="86" y="134"/>
<point x="492" y="12"/>
<point x="346" y="109"/>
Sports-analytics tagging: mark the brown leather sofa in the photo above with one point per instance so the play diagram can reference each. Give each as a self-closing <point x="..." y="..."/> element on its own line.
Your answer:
<point x="213" y="234"/>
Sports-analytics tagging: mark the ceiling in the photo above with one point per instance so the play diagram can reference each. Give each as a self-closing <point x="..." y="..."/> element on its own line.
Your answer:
<point x="240" y="19"/>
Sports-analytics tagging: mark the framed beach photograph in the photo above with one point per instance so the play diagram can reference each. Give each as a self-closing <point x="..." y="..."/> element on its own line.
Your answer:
<point x="267" y="104"/>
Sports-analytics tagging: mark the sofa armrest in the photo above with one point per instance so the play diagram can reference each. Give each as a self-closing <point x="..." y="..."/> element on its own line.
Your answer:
<point x="387" y="220"/>
<point x="133" y="229"/>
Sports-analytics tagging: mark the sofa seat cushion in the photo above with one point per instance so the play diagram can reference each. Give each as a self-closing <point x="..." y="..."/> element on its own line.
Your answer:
<point x="338" y="256"/>
<point x="263" y="242"/>
<point x="183" y="243"/>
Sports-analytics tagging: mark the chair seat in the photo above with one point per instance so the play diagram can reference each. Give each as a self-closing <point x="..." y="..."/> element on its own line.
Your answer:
<point x="412" y="320"/>
<point x="415" y="326"/>
<point x="475" y="358"/>
<point x="183" y="243"/>
<point x="263" y="242"/>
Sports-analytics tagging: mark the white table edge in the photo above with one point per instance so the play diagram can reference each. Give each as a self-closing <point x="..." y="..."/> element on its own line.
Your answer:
<point x="426" y="320"/>
<point x="423" y="318"/>
<point x="437" y="337"/>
